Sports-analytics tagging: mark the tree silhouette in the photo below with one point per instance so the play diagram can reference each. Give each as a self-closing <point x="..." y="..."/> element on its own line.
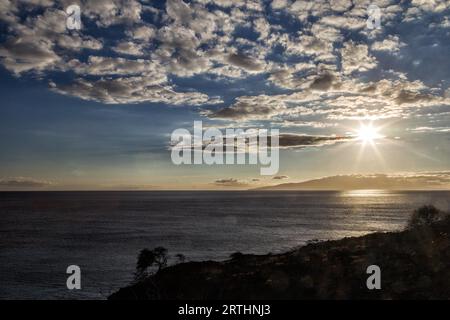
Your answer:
<point x="160" y="257"/>
<point x="149" y="258"/>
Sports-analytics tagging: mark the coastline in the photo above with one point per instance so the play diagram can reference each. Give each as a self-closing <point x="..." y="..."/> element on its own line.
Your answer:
<point x="413" y="263"/>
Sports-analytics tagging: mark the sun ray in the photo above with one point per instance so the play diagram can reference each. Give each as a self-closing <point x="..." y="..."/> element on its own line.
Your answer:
<point x="367" y="135"/>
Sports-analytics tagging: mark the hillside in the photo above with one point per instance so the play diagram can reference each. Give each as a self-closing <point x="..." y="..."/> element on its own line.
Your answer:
<point x="414" y="265"/>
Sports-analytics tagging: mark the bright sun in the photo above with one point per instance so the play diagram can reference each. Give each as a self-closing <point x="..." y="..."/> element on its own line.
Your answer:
<point x="367" y="133"/>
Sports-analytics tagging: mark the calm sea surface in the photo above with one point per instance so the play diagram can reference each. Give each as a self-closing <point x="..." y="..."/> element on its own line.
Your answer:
<point x="41" y="233"/>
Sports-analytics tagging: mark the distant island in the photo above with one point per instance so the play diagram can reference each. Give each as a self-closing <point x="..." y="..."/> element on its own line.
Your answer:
<point x="413" y="264"/>
<point x="361" y="182"/>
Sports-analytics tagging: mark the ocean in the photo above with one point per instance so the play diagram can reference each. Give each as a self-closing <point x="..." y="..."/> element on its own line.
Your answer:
<point x="42" y="233"/>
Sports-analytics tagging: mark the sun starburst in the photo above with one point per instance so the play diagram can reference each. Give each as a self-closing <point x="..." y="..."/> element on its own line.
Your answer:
<point x="368" y="133"/>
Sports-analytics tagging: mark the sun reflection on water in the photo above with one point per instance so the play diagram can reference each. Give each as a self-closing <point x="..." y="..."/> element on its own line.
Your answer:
<point x="365" y="193"/>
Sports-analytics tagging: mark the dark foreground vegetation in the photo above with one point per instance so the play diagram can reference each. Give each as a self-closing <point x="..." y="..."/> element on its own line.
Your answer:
<point x="414" y="263"/>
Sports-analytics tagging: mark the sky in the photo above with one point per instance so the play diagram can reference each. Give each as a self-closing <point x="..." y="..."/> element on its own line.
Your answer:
<point x="94" y="108"/>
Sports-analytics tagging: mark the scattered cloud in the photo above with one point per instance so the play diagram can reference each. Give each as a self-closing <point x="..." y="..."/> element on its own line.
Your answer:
<point x="334" y="100"/>
<point x="244" y="62"/>
<point x="322" y="82"/>
<point x="131" y="90"/>
<point x="230" y="182"/>
<point x="356" y="58"/>
<point x="129" y="48"/>
<point x="391" y="44"/>
<point x="24" y="54"/>
<point x="330" y="69"/>
<point x="250" y="108"/>
<point x="431" y="129"/>
<point x="280" y="177"/>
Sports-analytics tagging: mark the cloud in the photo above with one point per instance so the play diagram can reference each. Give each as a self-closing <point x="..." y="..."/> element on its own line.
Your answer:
<point x="101" y="66"/>
<point x="355" y="57"/>
<point x="35" y="46"/>
<point x="280" y="177"/>
<point x="279" y="4"/>
<point x="325" y="72"/>
<point x="313" y="46"/>
<point x="290" y="140"/>
<point x="431" y="129"/>
<point x="131" y="90"/>
<point x="247" y="107"/>
<point x="129" y="48"/>
<point x="323" y="82"/>
<point x="230" y="182"/>
<point x="327" y="99"/>
<point x="299" y="123"/>
<point x="144" y="33"/>
<point x="112" y="12"/>
<point x="245" y="62"/>
<point x="391" y="44"/>
<point x="179" y="11"/>
<point x="22" y="182"/>
<point x="248" y="141"/>
<point x="78" y="42"/>
<point x="292" y="77"/>
<point x="405" y="96"/>
<point x="345" y="22"/>
<point x="25" y="53"/>
<point x="419" y="9"/>
<point x="8" y="11"/>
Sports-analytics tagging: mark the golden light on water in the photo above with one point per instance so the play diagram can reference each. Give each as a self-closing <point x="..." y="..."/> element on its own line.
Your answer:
<point x="365" y="193"/>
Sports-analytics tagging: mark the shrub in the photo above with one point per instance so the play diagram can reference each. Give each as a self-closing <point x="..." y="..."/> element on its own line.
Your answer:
<point x="424" y="216"/>
<point x="180" y="257"/>
<point x="160" y="257"/>
<point x="150" y="258"/>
